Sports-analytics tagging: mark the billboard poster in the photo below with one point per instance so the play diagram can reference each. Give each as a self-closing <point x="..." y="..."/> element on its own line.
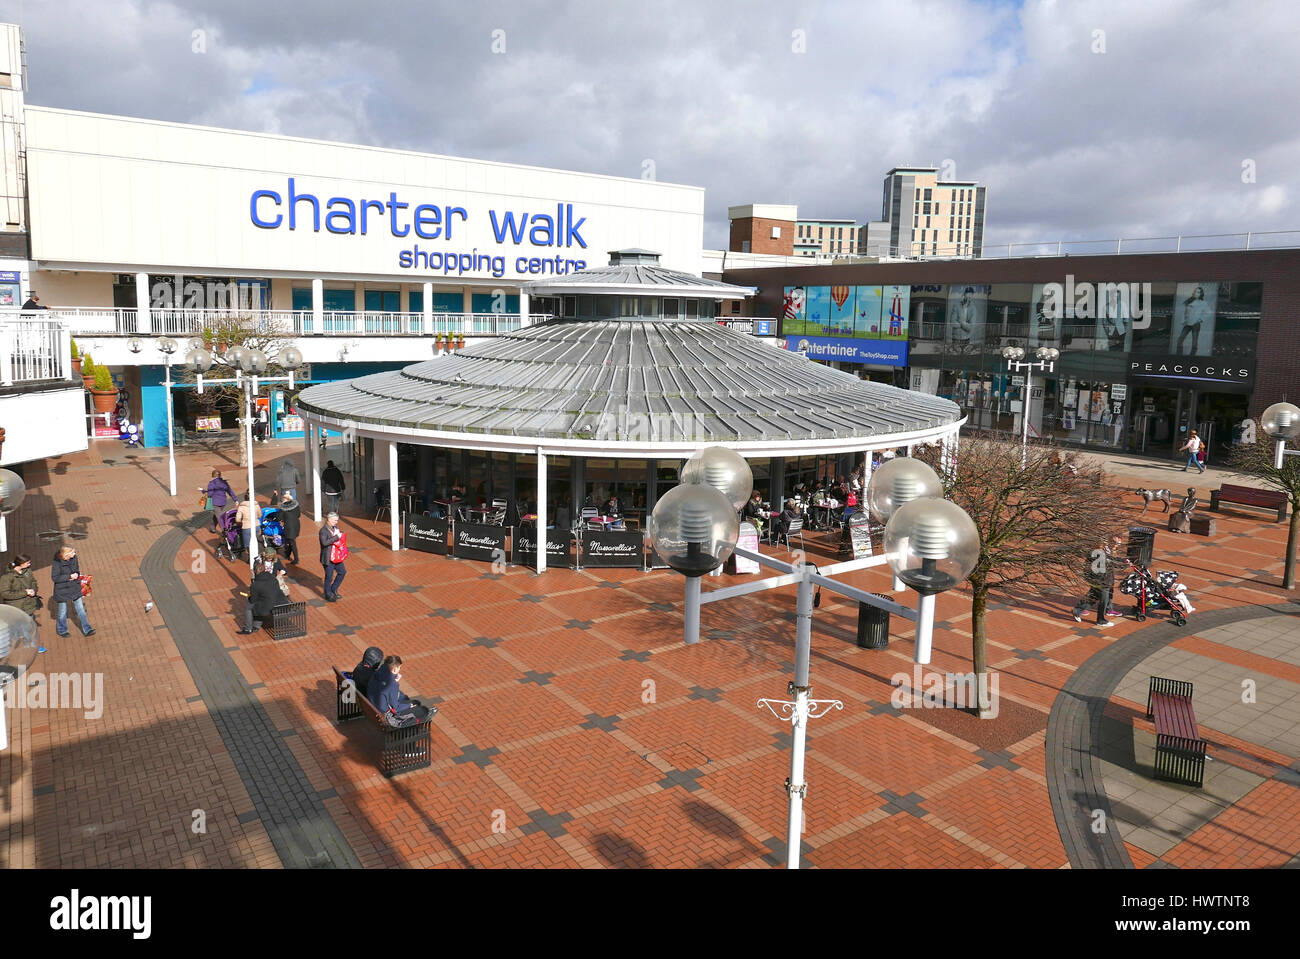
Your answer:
<point x="818" y="309"/>
<point x="207" y="424"/>
<point x="1194" y="308"/>
<point x="478" y="541"/>
<point x="866" y="313"/>
<point x="895" y="302"/>
<point x="968" y="305"/>
<point x="748" y="539"/>
<point x="426" y="534"/>
<point x="794" y="305"/>
<point x="1044" y="324"/>
<point x="1114" y="317"/>
<point x="524" y="544"/>
<point x="842" y="309"/>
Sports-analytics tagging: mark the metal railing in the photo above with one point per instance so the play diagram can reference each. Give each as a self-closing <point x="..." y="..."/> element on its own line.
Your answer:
<point x="34" y="350"/>
<point x="1181" y="243"/>
<point x="192" y="322"/>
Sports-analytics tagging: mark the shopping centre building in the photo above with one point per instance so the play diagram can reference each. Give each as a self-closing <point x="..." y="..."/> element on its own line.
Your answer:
<point x="1152" y="345"/>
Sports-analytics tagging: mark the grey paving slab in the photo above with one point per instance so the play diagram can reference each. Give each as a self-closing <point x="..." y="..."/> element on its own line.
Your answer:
<point x="300" y="828"/>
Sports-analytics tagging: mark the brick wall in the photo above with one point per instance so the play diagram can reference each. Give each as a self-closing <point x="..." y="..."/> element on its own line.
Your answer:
<point x="758" y="231"/>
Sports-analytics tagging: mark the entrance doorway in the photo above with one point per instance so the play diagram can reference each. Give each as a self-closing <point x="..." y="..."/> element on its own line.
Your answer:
<point x="1218" y="416"/>
<point x="1154" y="412"/>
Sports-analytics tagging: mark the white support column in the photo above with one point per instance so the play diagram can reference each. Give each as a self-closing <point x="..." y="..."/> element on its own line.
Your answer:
<point x="691" y="631"/>
<point x="318" y="308"/>
<point x="306" y="460"/>
<point x="541" y="511"/>
<point x="143" y="321"/>
<point x="924" y="629"/>
<point x="313" y="434"/>
<point x="4" y="731"/>
<point x="523" y="308"/>
<point x="467" y="307"/>
<point x="426" y="311"/>
<point x="394" y="502"/>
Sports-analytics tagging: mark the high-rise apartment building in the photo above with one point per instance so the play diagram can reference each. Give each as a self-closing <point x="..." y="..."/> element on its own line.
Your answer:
<point x="829" y="237"/>
<point x="928" y="217"/>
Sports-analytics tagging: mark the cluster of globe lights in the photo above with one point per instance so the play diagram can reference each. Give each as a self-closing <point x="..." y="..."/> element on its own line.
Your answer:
<point x="1046" y="354"/>
<point x="931" y="544"/>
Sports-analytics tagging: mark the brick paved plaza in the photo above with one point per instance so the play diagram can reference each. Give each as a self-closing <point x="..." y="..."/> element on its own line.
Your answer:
<point x="577" y="730"/>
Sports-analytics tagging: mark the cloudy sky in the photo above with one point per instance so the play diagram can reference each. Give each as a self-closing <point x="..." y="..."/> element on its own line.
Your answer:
<point x="1084" y="119"/>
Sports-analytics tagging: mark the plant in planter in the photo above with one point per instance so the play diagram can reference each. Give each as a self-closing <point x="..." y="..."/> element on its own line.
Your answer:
<point x="441" y="341"/>
<point x="460" y="341"/>
<point x="104" y="392"/>
<point x="87" y="372"/>
<point x="76" y="357"/>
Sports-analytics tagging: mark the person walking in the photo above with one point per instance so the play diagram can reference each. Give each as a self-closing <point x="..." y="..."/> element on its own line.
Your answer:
<point x="263" y="425"/>
<point x="291" y="522"/>
<point x="18" y="586"/>
<point x="1193" y="450"/>
<point x="248" y="516"/>
<point x="333" y="554"/>
<point x="218" y="493"/>
<point x="1099" y="572"/>
<point x="332" y="485"/>
<point x="287" y="480"/>
<point x="65" y="571"/>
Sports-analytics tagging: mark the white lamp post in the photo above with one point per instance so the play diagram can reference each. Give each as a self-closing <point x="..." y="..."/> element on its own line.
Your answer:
<point x="896" y="483"/>
<point x="167" y="346"/>
<point x="12" y="492"/>
<point x="1046" y="361"/>
<point x="1282" y="422"/>
<point x="248" y="364"/>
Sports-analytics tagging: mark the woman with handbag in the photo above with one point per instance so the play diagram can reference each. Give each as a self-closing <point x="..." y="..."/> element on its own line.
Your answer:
<point x="333" y="554"/>
<point x="66" y="573"/>
<point x="18" y="586"/>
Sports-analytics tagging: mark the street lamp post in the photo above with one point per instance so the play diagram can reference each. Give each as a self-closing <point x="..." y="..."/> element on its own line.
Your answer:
<point x="248" y="364"/>
<point x="1282" y="422"/>
<point x="1047" y="357"/>
<point x="694" y="529"/>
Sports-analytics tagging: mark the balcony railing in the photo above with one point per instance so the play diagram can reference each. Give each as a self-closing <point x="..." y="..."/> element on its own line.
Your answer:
<point x="33" y="350"/>
<point x="109" y="320"/>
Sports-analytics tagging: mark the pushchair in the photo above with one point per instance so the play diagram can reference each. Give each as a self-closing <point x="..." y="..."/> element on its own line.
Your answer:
<point x="272" y="529"/>
<point x="229" y="541"/>
<point x="1153" y="592"/>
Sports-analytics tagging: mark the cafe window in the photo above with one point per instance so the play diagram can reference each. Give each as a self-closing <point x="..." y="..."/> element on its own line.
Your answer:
<point x="670" y="308"/>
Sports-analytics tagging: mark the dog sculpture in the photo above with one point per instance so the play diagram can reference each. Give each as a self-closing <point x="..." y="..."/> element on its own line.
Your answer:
<point x="1150" y="496"/>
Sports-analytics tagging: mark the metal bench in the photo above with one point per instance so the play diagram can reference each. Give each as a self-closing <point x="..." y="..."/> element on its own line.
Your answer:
<point x="1180" y="750"/>
<point x="288" y="621"/>
<point x="406" y="748"/>
<point x="1248" y="496"/>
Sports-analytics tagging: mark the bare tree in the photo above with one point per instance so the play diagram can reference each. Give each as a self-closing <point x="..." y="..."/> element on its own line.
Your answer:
<point x="220" y="335"/>
<point x="1256" y="460"/>
<point x="1041" y="524"/>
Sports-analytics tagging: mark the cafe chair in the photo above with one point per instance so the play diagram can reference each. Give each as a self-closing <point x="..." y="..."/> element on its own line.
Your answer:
<point x="498" y="517"/>
<point x="381" y="501"/>
<point x="588" y="512"/>
<point x="796" y="529"/>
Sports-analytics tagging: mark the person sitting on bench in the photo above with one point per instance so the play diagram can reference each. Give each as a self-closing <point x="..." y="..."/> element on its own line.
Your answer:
<point x="371" y="660"/>
<point x="388" y="698"/>
<point x="263" y="596"/>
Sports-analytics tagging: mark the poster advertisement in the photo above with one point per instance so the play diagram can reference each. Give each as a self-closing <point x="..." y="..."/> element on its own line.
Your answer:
<point x="794" y="306"/>
<point x="208" y="424"/>
<point x="1044" y="329"/>
<point x="1098" y="403"/>
<point x="1194" y="308"/>
<point x="968" y="306"/>
<point x="748" y="539"/>
<point x="817" y="309"/>
<point x="895" y="302"/>
<point x="1114" y="318"/>
<point x="842" y="308"/>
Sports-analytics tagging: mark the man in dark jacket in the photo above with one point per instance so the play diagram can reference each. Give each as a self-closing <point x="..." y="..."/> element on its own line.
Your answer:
<point x="1099" y="572"/>
<point x="263" y="596"/>
<point x="371" y="660"/>
<point x="334" y="572"/>
<point x="65" y="571"/>
<point x="388" y="698"/>
<point x="291" y="521"/>
<point x="332" y="485"/>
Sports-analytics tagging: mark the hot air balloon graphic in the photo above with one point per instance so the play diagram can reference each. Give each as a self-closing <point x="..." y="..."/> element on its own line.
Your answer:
<point x="839" y="294"/>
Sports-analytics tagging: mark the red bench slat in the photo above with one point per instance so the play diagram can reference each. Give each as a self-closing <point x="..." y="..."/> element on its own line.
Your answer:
<point x="1174" y="716"/>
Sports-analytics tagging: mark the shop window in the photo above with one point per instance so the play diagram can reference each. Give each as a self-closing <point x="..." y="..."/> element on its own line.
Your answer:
<point x="383" y="301"/>
<point x="448" y="302"/>
<point x="495" y="303"/>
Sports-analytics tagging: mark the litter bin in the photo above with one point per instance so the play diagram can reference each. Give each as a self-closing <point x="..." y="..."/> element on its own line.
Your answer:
<point x="1141" y="544"/>
<point x="873" y="625"/>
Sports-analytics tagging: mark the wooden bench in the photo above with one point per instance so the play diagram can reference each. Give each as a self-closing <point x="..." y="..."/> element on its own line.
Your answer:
<point x="1246" y="496"/>
<point x="1180" y="750"/>
<point x="406" y="748"/>
<point x="288" y="621"/>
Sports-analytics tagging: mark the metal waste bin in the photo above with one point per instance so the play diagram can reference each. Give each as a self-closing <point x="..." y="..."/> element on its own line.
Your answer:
<point x="1141" y="544"/>
<point x="873" y="625"/>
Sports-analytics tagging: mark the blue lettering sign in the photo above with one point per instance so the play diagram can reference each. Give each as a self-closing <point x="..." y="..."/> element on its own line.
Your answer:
<point x="843" y="350"/>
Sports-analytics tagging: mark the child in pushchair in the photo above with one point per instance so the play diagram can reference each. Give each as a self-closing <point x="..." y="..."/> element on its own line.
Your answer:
<point x="272" y="531"/>
<point x="1159" y="591"/>
<point x="229" y="540"/>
